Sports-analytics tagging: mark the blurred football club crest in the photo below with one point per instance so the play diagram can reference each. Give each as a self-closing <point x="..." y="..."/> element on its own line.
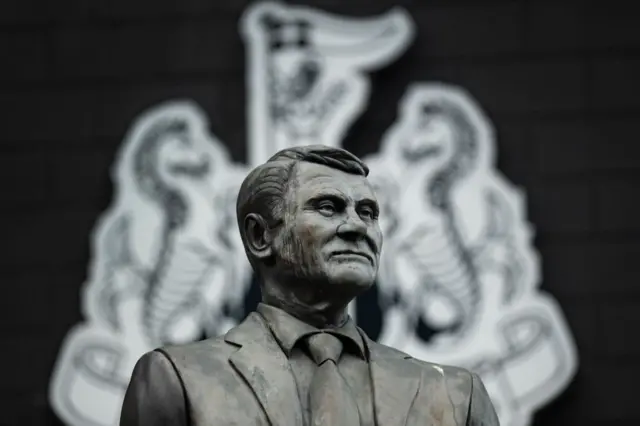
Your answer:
<point x="168" y="265"/>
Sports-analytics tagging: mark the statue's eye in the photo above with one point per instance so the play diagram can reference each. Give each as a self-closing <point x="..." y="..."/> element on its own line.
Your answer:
<point x="327" y="207"/>
<point x="367" y="212"/>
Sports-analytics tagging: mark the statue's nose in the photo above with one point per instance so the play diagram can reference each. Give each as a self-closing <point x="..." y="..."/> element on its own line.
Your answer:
<point x="353" y="227"/>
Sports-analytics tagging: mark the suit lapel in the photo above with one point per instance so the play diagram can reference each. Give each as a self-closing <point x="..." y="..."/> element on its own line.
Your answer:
<point x="266" y="369"/>
<point x="395" y="383"/>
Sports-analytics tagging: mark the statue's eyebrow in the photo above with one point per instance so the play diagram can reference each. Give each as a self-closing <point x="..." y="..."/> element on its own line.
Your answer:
<point x="341" y="200"/>
<point x="328" y="195"/>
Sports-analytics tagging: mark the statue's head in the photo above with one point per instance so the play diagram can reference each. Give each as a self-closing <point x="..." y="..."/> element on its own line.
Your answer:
<point x="308" y="218"/>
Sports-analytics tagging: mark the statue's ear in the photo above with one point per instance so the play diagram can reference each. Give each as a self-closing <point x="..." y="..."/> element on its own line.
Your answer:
<point x="257" y="236"/>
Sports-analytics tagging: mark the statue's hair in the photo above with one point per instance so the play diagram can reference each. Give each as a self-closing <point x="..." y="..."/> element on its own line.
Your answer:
<point x="265" y="188"/>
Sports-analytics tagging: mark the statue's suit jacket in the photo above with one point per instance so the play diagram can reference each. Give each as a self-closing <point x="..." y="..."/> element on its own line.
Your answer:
<point x="244" y="379"/>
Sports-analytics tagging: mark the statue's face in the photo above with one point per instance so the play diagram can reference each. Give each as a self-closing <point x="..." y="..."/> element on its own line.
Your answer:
<point x="331" y="233"/>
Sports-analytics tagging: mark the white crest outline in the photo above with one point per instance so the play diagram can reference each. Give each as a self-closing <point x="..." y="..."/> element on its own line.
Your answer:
<point x="97" y="356"/>
<point x="387" y="36"/>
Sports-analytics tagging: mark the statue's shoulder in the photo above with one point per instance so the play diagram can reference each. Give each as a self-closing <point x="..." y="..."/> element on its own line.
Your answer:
<point x="452" y="374"/>
<point x="212" y="350"/>
<point x="449" y="375"/>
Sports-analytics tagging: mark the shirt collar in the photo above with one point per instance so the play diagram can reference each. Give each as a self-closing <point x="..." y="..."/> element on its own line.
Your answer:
<point x="288" y="329"/>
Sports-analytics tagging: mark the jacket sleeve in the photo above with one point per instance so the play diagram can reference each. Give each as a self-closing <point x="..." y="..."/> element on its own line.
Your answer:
<point x="155" y="395"/>
<point x="481" y="410"/>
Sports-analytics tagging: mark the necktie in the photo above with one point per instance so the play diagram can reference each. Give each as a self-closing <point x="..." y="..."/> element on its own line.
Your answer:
<point x="330" y="398"/>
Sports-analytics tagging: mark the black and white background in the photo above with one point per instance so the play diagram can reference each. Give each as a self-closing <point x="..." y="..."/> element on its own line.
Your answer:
<point x="556" y="78"/>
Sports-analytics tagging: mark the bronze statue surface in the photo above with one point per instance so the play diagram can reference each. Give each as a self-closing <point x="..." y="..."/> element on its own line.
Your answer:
<point x="308" y="218"/>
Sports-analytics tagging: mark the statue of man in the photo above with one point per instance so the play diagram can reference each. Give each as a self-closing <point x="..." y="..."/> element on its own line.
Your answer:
<point x="308" y="218"/>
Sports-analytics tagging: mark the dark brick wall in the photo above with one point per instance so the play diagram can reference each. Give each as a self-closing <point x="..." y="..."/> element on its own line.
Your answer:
<point x="559" y="79"/>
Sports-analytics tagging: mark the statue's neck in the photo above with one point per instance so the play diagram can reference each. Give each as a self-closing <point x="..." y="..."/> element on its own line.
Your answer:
<point x="306" y="307"/>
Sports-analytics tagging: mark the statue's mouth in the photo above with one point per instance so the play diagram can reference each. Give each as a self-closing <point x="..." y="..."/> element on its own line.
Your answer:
<point x="352" y="253"/>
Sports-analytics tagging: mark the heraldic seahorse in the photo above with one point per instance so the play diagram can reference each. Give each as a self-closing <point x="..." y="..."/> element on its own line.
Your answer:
<point x="435" y="246"/>
<point x="173" y="283"/>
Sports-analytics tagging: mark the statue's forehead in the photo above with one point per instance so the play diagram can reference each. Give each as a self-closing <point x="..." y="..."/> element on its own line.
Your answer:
<point x="314" y="178"/>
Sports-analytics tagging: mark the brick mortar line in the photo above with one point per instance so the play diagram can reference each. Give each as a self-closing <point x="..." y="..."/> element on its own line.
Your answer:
<point x="92" y="22"/>
<point x="220" y="78"/>
<point x="232" y="70"/>
<point x="599" y="176"/>
<point x="588" y="239"/>
<point x="89" y="19"/>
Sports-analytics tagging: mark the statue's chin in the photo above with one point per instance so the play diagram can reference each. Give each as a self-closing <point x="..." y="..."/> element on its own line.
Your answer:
<point x="350" y="284"/>
<point x="333" y="283"/>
